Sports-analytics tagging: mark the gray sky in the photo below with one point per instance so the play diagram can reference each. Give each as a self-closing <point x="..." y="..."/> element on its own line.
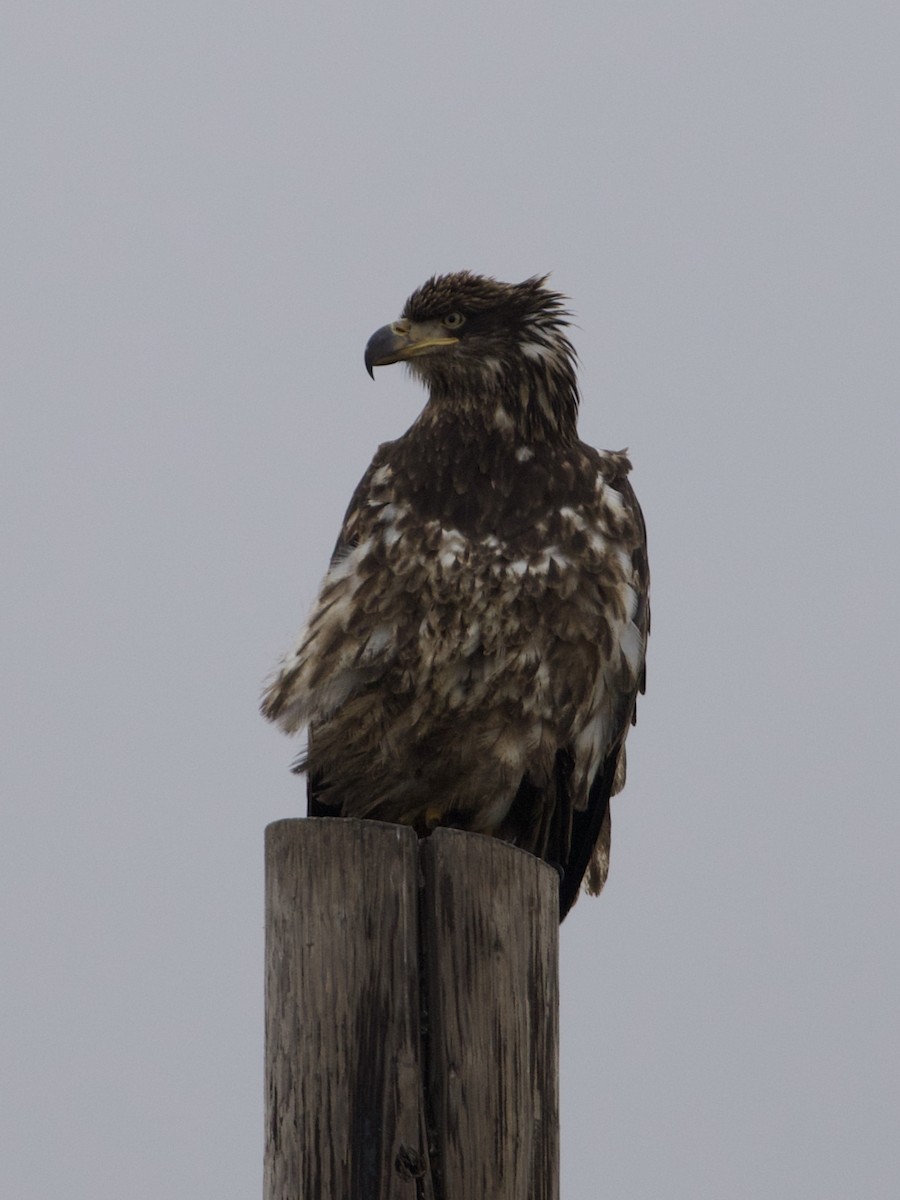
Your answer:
<point x="207" y="209"/>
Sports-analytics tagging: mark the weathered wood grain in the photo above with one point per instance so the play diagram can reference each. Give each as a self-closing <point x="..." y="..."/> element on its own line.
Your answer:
<point x="491" y="929"/>
<point x="343" y="1078"/>
<point x="411" y="1016"/>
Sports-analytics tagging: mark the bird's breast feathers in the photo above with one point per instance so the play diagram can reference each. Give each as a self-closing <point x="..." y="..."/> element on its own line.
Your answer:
<point x="525" y="638"/>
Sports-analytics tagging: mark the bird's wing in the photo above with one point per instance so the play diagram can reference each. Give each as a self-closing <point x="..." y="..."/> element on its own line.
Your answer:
<point x="587" y="859"/>
<point x="346" y="641"/>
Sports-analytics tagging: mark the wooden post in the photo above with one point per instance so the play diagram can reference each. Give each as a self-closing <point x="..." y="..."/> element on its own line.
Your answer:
<point x="411" y="1016"/>
<point x="491" y="958"/>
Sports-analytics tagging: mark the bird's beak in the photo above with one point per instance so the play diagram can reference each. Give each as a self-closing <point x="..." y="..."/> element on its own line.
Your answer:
<point x="402" y="339"/>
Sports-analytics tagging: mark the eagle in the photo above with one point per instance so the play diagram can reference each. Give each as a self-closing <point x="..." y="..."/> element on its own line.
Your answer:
<point x="477" y="646"/>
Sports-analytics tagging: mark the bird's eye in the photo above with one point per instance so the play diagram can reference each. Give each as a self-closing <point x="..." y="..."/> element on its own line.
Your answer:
<point x="453" y="320"/>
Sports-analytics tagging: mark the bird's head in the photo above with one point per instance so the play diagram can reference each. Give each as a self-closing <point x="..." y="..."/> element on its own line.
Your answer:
<point x="476" y="342"/>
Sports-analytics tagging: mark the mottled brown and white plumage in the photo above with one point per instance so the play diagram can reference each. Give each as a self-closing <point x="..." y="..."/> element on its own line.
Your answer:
<point x="477" y="646"/>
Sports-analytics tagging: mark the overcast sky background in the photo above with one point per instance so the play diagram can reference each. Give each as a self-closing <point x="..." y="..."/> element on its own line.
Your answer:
<point x="207" y="209"/>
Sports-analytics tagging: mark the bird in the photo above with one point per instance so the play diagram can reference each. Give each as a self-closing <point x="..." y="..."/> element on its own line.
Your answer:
<point x="475" y="651"/>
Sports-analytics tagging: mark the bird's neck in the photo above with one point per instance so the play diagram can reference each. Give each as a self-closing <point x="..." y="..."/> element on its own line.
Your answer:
<point x="509" y="412"/>
<point x="470" y="467"/>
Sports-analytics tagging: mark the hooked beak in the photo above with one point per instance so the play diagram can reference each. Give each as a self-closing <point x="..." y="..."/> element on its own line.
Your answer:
<point x="402" y="339"/>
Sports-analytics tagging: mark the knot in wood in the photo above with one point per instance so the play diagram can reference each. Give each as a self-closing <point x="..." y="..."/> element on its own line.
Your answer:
<point x="409" y="1163"/>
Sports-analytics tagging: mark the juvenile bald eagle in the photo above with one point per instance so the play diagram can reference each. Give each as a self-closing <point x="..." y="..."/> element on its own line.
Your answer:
<point x="477" y="645"/>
